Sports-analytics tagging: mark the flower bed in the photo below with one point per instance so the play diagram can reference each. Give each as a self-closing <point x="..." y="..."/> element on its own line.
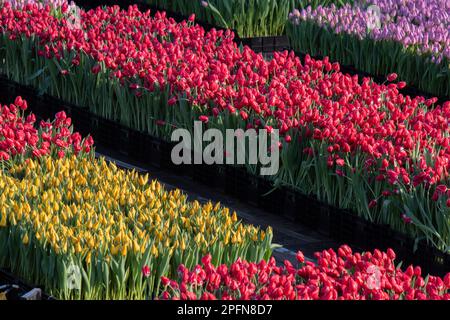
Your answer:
<point x="109" y="223"/>
<point x="359" y="146"/>
<point x="71" y="211"/>
<point x="411" y="39"/>
<point x="341" y="275"/>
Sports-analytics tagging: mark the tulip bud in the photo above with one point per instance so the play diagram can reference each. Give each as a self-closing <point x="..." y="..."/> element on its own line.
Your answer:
<point x="340" y="162"/>
<point x="25" y="239"/>
<point x="391" y="254"/>
<point x="206" y="260"/>
<point x="203" y="119"/>
<point x="409" y="271"/>
<point x="243" y="115"/>
<point x="165" y="281"/>
<point x="372" y="204"/>
<point x="417" y="271"/>
<point x="172" y="101"/>
<point x="447" y="281"/>
<point x="146" y="271"/>
<point x="300" y="257"/>
<point x="401" y="84"/>
<point x="392" y="77"/>
<point x="18" y="101"/>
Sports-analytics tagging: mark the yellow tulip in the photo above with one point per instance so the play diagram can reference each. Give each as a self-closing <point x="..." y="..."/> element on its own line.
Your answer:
<point x="78" y="248"/>
<point x="154" y="251"/>
<point x="143" y="179"/>
<point x="114" y="250"/>
<point x="136" y="247"/>
<point x="124" y="251"/>
<point x="88" y="258"/>
<point x="25" y="239"/>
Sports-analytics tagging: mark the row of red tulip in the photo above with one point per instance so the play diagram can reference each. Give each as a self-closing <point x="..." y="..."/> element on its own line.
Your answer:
<point x="341" y="275"/>
<point x="20" y="138"/>
<point x="363" y="145"/>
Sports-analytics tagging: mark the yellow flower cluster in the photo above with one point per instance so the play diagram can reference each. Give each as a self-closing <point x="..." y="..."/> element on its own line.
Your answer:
<point x="88" y="207"/>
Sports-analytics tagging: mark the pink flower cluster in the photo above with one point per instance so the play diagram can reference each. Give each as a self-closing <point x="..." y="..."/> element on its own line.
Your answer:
<point x="19" y="137"/>
<point x="341" y="275"/>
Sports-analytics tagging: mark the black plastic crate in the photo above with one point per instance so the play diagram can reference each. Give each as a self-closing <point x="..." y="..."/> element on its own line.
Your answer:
<point x="103" y="132"/>
<point x="335" y="219"/>
<point x="324" y="224"/>
<point x="373" y="236"/>
<point x="431" y="259"/>
<point x="270" y="198"/>
<point x="351" y="227"/>
<point x="82" y="121"/>
<point x="210" y="175"/>
<point x="153" y="148"/>
<point x="240" y="184"/>
<point x="230" y="183"/>
<point x="138" y="146"/>
<point x="252" y="189"/>
<point x="308" y="212"/>
<point x="165" y="149"/>
<point x="267" y="44"/>
<point x="292" y="204"/>
<point x="403" y="246"/>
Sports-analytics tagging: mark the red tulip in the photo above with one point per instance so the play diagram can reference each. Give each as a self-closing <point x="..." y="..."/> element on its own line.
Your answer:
<point x="165" y="281"/>
<point x="96" y="69"/>
<point x="401" y="84"/>
<point x="203" y="119"/>
<point x="340" y="162"/>
<point x="287" y="138"/>
<point x="243" y="115"/>
<point x="392" y="77"/>
<point x="146" y="271"/>
<point x="447" y="281"/>
<point x="372" y="203"/>
<point x="18" y="101"/>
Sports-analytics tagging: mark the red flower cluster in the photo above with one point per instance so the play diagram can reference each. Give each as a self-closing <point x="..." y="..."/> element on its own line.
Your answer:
<point x="19" y="137"/>
<point x="336" y="276"/>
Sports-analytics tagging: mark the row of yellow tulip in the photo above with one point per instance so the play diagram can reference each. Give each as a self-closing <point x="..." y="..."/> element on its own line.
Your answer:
<point x="63" y="216"/>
